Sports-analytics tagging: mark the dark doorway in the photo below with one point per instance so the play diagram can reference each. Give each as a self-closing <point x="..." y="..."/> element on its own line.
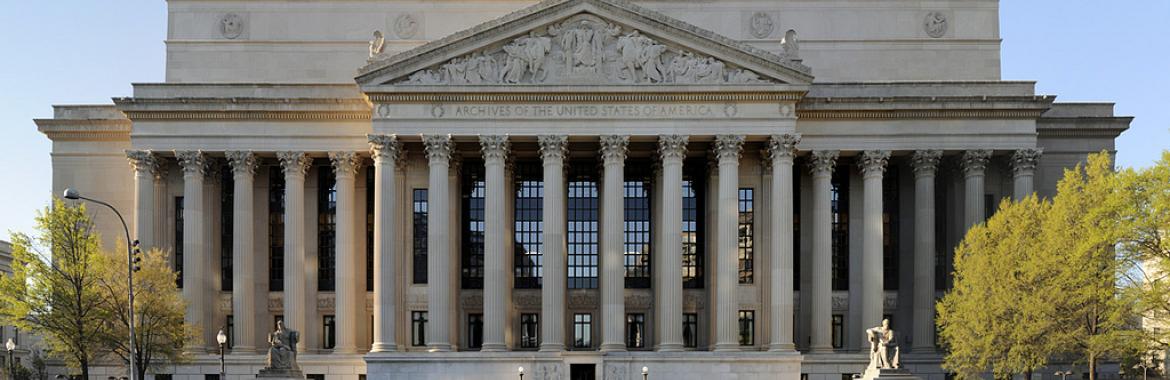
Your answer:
<point x="582" y="371"/>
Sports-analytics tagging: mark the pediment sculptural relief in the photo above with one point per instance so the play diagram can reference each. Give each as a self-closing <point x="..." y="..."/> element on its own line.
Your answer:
<point x="584" y="49"/>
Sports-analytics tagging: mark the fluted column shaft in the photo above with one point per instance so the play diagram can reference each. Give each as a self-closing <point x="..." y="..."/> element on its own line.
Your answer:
<point x="295" y="166"/>
<point x="194" y="252"/>
<point x="385" y="150"/>
<point x="613" y="307"/>
<point x="727" y="150"/>
<point x="974" y="165"/>
<point x="782" y="151"/>
<point x="495" y="150"/>
<point x="438" y="148"/>
<point x="552" y="293"/>
<point x="925" y="167"/>
<point x="345" y="165"/>
<point x="243" y="261"/>
<point x="873" y="166"/>
<point x="672" y="150"/>
<point x="822" y="260"/>
<point x="1024" y="171"/>
<point x="145" y="167"/>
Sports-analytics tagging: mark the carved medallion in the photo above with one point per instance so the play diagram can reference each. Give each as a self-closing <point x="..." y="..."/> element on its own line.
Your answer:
<point x="730" y="110"/>
<point x="405" y="26"/>
<point x="935" y="24"/>
<point x="438" y="110"/>
<point x="761" y="25"/>
<point x="383" y="110"/>
<point x="231" y="25"/>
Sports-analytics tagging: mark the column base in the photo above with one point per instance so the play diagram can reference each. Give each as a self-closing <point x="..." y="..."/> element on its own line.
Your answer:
<point x="613" y="347"/>
<point x="383" y="347"/>
<point x="669" y="347"/>
<point x="493" y="347"/>
<point x="727" y="347"/>
<point x="822" y="350"/>
<point x="440" y="347"/>
<point x="552" y="347"/>
<point x="344" y="350"/>
<point x="242" y="350"/>
<point x="781" y="347"/>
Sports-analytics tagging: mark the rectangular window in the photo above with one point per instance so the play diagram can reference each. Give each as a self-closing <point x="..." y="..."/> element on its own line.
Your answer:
<point x="329" y="329"/>
<point x="163" y="376"/>
<point x="326" y="228"/>
<point x="211" y="376"/>
<point x="839" y="197"/>
<point x="419" y="241"/>
<point x="529" y="225"/>
<point x="637" y="227"/>
<point x="226" y="209"/>
<point x="229" y="328"/>
<point x="529" y="330"/>
<point x="582" y="330"/>
<point x="582" y="226"/>
<point x="838" y="330"/>
<point x="179" y="241"/>
<point x="474" y="192"/>
<point x="370" y="230"/>
<point x="418" y="328"/>
<point x="890" y="200"/>
<point x="635" y="330"/>
<point x="796" y="233"/>
<point x="275" y="230"/>
<point x="692" y="254"/>
<point x="747" y="225"/>
<point x="475" y="331"/>
<point x="747" y="327"/>
<point x="690" y="330"/>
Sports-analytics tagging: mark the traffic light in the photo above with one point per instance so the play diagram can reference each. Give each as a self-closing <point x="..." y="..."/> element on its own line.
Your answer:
<point x="136" y="252"/>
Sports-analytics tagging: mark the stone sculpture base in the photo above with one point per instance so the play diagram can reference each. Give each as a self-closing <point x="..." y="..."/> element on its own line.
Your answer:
<point x="888" y="374"/>
<point x="280" y="374"/>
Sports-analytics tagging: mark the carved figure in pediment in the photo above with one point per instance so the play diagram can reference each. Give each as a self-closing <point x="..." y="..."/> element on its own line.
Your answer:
<point x="680" y="68"/>
<point x="638" y="51"/>
<point x="377" y="44"/>
<point x="743" y="76"/>
<point x="425" y="77"/>
<point x="526" y="55"/>
<point x="480" y="68"/>
<point x="790" y="45"/>
<point x="583" y="41"/>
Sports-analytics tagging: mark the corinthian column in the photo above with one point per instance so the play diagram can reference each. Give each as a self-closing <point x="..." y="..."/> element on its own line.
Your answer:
<point x="671" y="149"/>
<point x="822" y="163"/>
<point x="385" y="150"/>
<point x="495" y="151"/>
<point x="613" y="307"/>
<point x="782" y="149"/>
<point x="439" y="149"/>
<point x="145" y="167"/>
<point x="1023" y="171"/>
<point x="346" y="291"/>
<point x="553" y="149"/>
<point x="194" y="166"/>
<point x="727" y="150"/>
<point x="925" y="166"/>
<point x="873" y="166"/>
<point x="243" y="260"/>
<point x="295" y="165"/>
<point x="974" y="164"/>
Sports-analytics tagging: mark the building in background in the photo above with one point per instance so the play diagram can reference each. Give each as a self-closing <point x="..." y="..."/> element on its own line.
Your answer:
<point x="578" y="187"/>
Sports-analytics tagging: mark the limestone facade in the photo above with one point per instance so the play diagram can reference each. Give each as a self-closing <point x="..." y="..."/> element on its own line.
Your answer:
<point x="604" y="185"/>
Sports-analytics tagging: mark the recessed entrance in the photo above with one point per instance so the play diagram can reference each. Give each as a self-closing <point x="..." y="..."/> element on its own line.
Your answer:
<point x="582" y="371"/>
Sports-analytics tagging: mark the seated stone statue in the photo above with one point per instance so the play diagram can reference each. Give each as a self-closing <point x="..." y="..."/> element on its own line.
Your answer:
<point x="282" y="350"/>
<point x="883" y="349"/>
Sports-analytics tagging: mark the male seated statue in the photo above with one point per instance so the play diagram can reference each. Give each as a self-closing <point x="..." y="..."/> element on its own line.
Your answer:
<point x="883" y="350"/>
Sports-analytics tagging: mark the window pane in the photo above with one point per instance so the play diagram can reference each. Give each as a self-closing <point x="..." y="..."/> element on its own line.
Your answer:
<point x="473" y="225"/>
<point x="840" y="216"/>
<point x="691" y="330"/>
<point x="582" y="226"/>
<point x="635" y="330"/>
<point x="419" y="236"/>
<point x="326" y="228"/>
<point x="582" y="330"/>
<point x="226" y="219"/>
<point x="418" y="328"/>
<point x="746" y="235"/>
<point x="529" y="330"/>
<point x="747" y="327"/>
<point x="637" y="226"/>
<point x="275" y="229"/>
<point x="475" y="330"/>
<point x="529" y="233"/>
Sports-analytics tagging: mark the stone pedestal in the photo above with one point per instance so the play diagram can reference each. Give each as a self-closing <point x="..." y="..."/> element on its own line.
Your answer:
<point x="888" y="374"/>
<point x="274" y="373"/>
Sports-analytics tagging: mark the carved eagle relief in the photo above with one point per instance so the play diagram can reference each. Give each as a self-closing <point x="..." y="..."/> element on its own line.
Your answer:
<point x="583" y="49"/>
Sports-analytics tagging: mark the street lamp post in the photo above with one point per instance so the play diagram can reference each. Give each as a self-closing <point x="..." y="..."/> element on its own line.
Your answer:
<point x="11" y="346"/>
<point x="521" y="370"/>
<point x="1063" y="374"/>
<point x="1145" y="369"/>
<point x="74" y="195"/>
<point x="645" y="373"/>
<point x="222" y="339"/>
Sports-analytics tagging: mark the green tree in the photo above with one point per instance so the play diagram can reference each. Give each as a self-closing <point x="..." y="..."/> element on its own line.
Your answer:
<point x="1146" y="243"/>
<point x="990" y="321"/>
<point x="54" y="288"/>
<point x="160" y="330"/>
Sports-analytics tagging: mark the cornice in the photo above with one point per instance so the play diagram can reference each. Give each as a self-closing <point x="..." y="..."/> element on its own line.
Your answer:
<point x="846" y="114"/>
<point x="249" y="115"/>
<point x="84" y="129"/>
<point x="594" y="97"/>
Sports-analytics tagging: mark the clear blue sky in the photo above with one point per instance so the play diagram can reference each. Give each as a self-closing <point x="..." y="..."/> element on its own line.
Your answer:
<point x="70" y="52"/>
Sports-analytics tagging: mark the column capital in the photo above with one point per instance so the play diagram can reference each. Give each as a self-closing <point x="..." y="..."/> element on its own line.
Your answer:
<point x="873" y="162"/>
<point x="143" y="161"/>
<point x="494" y="147"/>
<point x="821" y="162"/>
<point x="383" y="147"/>
<point x="925" y="162"/>
<point x="193" y="162"/>
<point x="783" y="147"/>
<point x="728" y="147"/>
<point x="614" y="148"/>
<point x="438" y="148"/>
<point x="672" y="147"/>
<point x="553" y="148"/>
<point x="243" y="162"/>
<point x="345" y="164"/>
<point x="1024" y="160"/>
<point x="294" y="163"/>
<point x="975" y="161"/>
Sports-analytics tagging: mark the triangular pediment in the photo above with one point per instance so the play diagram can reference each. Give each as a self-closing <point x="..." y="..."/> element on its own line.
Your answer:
<point x="584" y="42"/>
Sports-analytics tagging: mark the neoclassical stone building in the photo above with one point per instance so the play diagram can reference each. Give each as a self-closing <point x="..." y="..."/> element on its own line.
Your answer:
<point x="579" y="187"/>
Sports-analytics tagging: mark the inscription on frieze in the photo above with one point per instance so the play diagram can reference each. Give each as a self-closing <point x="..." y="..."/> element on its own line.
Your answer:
<point x="579" y="111"/>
